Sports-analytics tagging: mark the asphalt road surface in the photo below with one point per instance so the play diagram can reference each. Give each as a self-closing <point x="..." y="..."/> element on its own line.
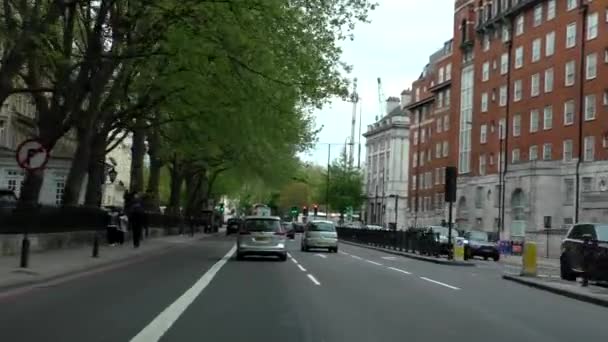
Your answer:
<point x="199" y="292"/>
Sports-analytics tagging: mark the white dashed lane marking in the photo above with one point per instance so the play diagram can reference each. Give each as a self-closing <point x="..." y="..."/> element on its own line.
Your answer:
<point x="389" y="258"/>
<point x="321" y="255"/>
<point x="440" y="283"/>
<point x="399" y="270"/>
<point x="301" y="268"/>
<point x="313" y="279"/>
<point x="373" y="262"/>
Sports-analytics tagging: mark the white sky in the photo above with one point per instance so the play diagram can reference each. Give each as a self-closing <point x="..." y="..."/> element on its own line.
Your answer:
<point x="395" y="46"/>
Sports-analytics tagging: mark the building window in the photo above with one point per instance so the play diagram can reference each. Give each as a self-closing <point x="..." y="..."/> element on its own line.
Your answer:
<point x="59" y="189"/>
<point x="415" y="161"/>
<point x="485" y="71"/>
<point x="503" y="96"/>
<point x="549" y="80"/>
<point x="414" y="179"/>
<point x="591" y="66"/>
<point x="548" y="118"/>
<point x="482" y="165"/>
<point x="515" y="156"/>
<point x="589" y="146"/>
<point x="438" y="150"/>
<point x="538" y="15"/>
<point x="535" y="85"/>
<point x="569" y="73"/>
<point x="547" y="151"/>
<point x="506" y="35"/>
<point x="568" y="112"/>
<point x="536" y="49"/>
<point x="517" y="90"/>
<point x="534" y="118"/>
<point x="483" y="134"/>
<point x="569" y="191"/>
<point x="423" y="136"/>
<point x="466" y="116"/>
<point x="446" y="123"/>
<point x="571" y="35"/>
<point x="587" y="184"/>
<point x="448" y="72"/>
<point x="445" y="149"/>
<point x="571" y="4"/>
<point x="440" y="75"/>
<point x="438" y="125"/>
<point x="516" y="125"/>
<point x="415" y="138"/>
<point x="504" y="63"/>
<point x="440" y="99"/>
<point x="592" y="24"/>
<point x="550" y="44"/>
<point x="519" y="57"/>
<point x="422" y="158"/>
<point x="533" y="152"/>
<point x="605" y="97"/>
<point x="590" y="107"/>
<point x="446" y="97"/>
<point x="567" y="153"/>
<point x="486" y="42"/>
<point x="484" y="102"/>
<point x="501" y="129"/>
<point x="3" y="141"/>
<point x="550" y="9"/>
<point x="519" y="25"/>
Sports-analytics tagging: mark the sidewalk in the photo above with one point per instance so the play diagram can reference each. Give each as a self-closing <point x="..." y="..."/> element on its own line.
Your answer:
<point x="591" y="294"/>
<point x="63" y="262"/>
<point x="516" y="260"/>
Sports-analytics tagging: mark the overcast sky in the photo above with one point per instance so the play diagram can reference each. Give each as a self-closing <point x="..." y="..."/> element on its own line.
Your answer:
<point x="395" y="46"/>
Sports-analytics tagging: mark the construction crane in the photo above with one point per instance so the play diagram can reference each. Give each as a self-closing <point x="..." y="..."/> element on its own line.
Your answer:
<point x="380" y="99"/>
<point x="354" y="98"/>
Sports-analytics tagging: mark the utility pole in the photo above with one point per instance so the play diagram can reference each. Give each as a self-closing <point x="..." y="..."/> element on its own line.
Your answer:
<point x="328" y="178"/>
<point x="354" y="99"/>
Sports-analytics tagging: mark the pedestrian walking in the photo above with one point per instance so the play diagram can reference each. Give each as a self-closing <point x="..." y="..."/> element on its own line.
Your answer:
<point x="136" y="219"/>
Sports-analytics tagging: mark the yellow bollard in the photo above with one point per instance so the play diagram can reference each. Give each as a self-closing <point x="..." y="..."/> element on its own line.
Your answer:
<point x="459" y="250"/>
<point x="529" y="260"/>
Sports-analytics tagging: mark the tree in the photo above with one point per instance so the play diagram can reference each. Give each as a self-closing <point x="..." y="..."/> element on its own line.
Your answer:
<point x="345" y="186"/>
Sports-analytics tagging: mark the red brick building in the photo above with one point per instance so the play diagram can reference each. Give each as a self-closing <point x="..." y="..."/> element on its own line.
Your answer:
<point x="529" y="96"/>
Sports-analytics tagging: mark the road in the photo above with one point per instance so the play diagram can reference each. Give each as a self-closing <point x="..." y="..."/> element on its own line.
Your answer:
<point x="199" y="292"/>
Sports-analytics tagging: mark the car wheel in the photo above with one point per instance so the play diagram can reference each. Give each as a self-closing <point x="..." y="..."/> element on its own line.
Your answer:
<point x="565" y="271"/>
<point x="283" y="257"/>
<point x="485" y="258"/>
<point x="335" y="249"/>
<point x="240" y="256"/>
<point x="496" y="258"/>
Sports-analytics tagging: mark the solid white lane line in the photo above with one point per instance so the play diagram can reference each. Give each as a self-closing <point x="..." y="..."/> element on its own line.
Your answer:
<point x="389" y="258"/>
<point x="321" y="255"/>
<point x="356" y="257"/>
<point x="399" y="270"/>
<point x="313" y="279"/>
<point x="440" y="283"/>
<point x="373" y="262"/>
<point x="301" y="268"/>
<point x="159" y="325"/>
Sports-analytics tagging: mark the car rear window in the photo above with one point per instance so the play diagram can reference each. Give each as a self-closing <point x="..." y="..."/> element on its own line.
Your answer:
<point x="322" y="227"/>
<point x="602" y="232"/>
<point x="262" y="225"/>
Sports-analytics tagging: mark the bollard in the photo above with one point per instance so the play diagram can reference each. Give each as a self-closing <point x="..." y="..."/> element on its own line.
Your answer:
<point x="529" y="260"/>
<point x="25" y="252"/>
<point x="459" y="250"/>
<point x="95" y="253"/>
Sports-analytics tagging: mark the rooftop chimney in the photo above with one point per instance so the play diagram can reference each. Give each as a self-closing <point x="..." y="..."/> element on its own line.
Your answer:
<point x="406" y="98"/>
<point x="392" y="103"/>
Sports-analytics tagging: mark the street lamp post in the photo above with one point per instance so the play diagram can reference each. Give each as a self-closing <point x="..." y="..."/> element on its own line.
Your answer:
<point x="111" y="174"/>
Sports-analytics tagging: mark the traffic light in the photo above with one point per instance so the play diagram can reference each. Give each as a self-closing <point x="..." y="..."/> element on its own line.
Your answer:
<point x="221" y="207"/>
<point x="294" y="211"/>
<point x="305" y="210"/>
<point x="316" y="209"/>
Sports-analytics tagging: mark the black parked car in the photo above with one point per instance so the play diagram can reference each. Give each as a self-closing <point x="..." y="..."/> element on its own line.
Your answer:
<point x="477" y="243"/>
<point x="585" y="250"/>
<point x="233" y="225"/>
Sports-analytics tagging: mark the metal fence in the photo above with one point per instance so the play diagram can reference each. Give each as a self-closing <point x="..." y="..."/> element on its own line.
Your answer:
<point x="413" y="240"/>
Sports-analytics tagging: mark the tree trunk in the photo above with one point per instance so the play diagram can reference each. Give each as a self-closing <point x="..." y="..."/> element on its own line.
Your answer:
<point x="79" y="168"/>
<point x="177" y="180"/>
<point x="156" y="164"/>
<point x="137" y="158"/>
<point x="96" y="170"/>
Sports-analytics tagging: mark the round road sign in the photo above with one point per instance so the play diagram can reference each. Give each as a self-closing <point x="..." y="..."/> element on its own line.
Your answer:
<point x="31" y="155"/>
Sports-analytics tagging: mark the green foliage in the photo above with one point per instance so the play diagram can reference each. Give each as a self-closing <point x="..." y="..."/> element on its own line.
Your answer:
<point x="345" y="186"/>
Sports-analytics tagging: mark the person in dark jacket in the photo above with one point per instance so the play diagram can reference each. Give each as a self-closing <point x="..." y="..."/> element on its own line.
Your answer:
<point x="136" y="218"/>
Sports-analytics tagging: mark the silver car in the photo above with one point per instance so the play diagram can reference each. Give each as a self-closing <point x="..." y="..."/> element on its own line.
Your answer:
<point x="261" y="235"/>
<point x="320" y="234"/>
